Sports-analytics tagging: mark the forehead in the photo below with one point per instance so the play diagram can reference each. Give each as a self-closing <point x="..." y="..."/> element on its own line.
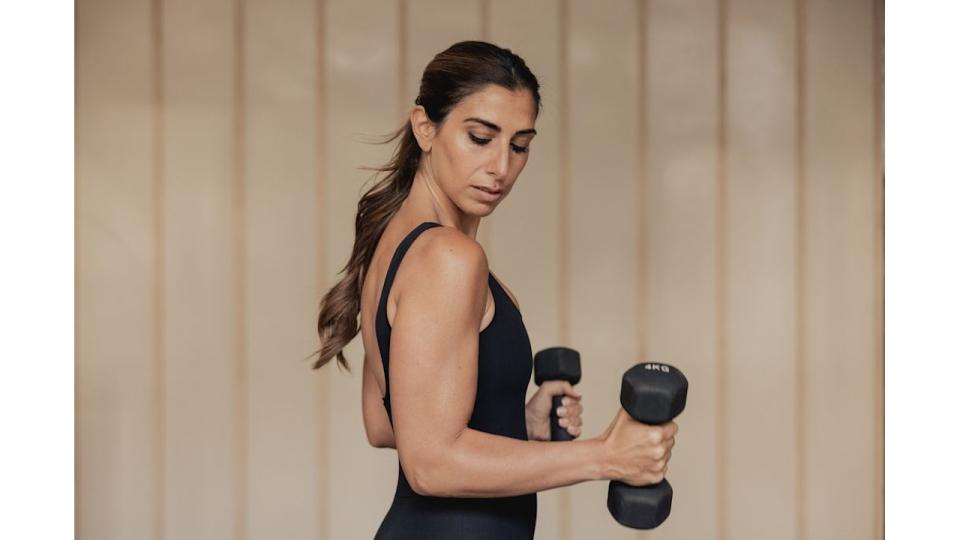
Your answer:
<point x="512" y="110"/>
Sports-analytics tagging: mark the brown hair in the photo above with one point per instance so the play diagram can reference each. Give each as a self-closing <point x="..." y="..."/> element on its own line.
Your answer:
<point x="455" y="73"/>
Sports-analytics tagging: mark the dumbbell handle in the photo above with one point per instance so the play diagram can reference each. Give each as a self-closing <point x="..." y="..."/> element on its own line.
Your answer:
<point x="557" y="432"/>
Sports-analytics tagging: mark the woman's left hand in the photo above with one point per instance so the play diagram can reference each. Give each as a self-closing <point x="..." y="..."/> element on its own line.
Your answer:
<point x="538" y="410"/>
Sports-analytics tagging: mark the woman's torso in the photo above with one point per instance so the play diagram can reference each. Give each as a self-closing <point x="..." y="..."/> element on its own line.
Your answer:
<point x="505" y="364"/>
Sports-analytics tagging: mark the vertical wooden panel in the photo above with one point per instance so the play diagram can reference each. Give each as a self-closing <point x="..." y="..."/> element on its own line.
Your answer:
<point x="602" y="230"/>
<point x="361" y="69"/>
<point x="432" y="26"/>
<point x="523" y="250"/>
<point x="200" y="268"/>
<point x="282" y="280"/>
<point x="840" y="199"/>
<point x="761" y="269"/>
<point x="681" y="269"/>
<point x="116" y="445"/>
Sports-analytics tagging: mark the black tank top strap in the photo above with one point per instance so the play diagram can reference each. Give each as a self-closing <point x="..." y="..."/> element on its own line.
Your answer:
<point x="382" y="323"/>
<point x="397" y="257"/>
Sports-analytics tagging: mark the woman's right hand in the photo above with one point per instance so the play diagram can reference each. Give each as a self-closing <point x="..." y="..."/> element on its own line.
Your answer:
<point x="636" y="453"/>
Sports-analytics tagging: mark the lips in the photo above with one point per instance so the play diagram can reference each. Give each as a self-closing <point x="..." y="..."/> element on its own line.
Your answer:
<point x="487" y="194"/>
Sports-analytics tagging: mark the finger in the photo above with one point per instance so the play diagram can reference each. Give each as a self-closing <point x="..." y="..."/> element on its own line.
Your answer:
<point x="573" y="409"/>
<point x="574" y="431"/>
<point x="575" y="421"/>
<point x="570" y="400"/>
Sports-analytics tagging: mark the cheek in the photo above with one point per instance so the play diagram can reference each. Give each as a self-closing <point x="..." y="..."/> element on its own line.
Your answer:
<point x="518" y="164"/>
<point x="460" y="160"/>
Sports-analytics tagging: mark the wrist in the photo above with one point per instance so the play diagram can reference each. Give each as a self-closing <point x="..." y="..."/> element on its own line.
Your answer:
<point x="599" y="468"/>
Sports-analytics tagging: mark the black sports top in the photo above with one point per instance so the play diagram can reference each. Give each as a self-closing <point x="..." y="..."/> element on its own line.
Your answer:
<point x="505" y="363"/>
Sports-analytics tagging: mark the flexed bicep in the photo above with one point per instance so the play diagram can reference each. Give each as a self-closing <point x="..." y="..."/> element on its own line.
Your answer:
<point x="433" y="348"/>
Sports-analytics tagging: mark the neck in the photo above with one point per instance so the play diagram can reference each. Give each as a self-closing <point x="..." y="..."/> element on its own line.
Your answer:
<point x="427" y="202"/>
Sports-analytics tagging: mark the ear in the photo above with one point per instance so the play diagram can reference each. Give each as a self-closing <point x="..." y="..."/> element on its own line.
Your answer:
<point x="423" y="128"/>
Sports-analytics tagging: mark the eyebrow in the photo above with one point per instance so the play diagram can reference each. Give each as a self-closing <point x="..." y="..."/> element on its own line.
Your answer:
<point x="491" y="125"/>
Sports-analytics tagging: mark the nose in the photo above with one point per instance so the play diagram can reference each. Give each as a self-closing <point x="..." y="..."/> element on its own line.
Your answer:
<point x="499" y="161"/>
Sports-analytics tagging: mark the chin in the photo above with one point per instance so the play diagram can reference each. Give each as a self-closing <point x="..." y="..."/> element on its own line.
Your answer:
<point x="484" y="210"/>
<point x="477" y="209"/>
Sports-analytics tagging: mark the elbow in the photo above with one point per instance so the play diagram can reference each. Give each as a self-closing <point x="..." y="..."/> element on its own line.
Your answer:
<point x="425" y="478"/>
<point x="418" y="487"/>
<point x="379" y="438"/>
<point x="428" y="485"/>
<point x="380" y="441"/>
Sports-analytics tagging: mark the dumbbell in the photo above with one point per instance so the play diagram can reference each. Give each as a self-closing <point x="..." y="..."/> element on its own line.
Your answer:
<point x="552" y="364"/>
<point x="652" y="394"/>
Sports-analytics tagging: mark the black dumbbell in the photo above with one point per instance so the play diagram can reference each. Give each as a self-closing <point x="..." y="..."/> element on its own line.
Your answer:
<point x="652" y="394"/>
<point x="552" y="364"/>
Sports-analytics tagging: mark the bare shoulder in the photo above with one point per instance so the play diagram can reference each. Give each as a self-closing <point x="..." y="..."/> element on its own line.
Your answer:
<point x="445" y="278"/>
<point x="445" y="252"/>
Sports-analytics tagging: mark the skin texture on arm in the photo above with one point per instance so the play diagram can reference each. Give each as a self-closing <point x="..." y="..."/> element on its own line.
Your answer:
<point x="433" y="376"/>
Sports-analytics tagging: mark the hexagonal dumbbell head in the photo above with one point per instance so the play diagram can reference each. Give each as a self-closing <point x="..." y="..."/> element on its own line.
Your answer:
<point x="640" y="507"/>
<point x="652" y="394"/>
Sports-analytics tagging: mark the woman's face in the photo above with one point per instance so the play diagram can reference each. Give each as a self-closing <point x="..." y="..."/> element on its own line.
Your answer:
<point x="482" y="146"/>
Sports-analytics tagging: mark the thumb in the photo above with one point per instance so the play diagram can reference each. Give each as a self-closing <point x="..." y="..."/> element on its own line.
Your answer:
<point x="569" y="390"/>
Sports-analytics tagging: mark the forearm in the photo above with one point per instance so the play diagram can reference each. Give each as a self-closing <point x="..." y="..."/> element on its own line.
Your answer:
<point x="479" y="464"/>
<point x="386" y="442"/>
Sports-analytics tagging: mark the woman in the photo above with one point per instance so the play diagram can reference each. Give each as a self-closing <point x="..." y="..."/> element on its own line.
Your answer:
<point x="448" y="359"/>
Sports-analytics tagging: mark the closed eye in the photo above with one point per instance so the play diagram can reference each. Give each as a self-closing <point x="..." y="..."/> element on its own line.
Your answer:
<point x="515" y="147"/>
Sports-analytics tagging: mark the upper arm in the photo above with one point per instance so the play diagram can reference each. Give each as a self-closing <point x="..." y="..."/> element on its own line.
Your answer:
<point x="434" y="346"/>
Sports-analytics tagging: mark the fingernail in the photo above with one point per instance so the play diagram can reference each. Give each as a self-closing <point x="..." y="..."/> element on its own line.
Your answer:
<point x="561" y="410"/>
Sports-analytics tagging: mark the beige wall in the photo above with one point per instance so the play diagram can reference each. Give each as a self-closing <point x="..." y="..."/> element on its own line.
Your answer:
<point x="706" y="191"/>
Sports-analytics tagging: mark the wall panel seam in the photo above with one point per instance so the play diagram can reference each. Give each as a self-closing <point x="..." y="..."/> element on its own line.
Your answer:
<point x="721" y="272"/>
<point x="157" y="108"/>
<point x="240" y="264"/>
<point x="800" y="29"/>
<point x="322" y="381"/>
<point x="563" y="136"/>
